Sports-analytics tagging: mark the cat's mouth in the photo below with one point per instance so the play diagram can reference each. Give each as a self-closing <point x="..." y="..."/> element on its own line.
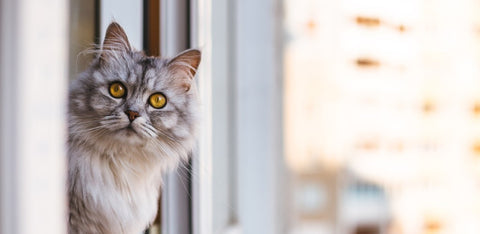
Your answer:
<point x="130" y="130"/>
<point x="128" y="135"/>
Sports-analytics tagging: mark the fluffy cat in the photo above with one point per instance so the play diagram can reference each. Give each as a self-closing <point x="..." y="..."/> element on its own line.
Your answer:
<point x="131" y="118"/>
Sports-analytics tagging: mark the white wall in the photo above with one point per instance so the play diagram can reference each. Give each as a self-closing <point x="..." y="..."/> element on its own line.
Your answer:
<point x="33" y="85"/>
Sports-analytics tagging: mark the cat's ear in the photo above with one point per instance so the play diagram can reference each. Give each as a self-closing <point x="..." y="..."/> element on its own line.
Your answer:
<point x="115" y="40"/>
<point x="184" y="67"/>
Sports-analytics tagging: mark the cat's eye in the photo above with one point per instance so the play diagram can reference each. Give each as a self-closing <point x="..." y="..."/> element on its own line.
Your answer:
<point x="117" y="90"/>
<point x="157" y="100"/>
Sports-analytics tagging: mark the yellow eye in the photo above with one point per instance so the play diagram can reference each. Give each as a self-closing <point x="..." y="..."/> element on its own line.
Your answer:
<point x="157" y="100"/>
<point x="117" y="90"/>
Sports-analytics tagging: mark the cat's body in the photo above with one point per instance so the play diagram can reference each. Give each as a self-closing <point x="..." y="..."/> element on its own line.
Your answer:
<point x="131" y="118"/>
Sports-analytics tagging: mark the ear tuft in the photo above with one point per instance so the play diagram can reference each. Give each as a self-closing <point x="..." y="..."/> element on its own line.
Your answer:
<point x="185" y="66"/>
<point x="188" y="61"/>
<point x="115" y="40"/>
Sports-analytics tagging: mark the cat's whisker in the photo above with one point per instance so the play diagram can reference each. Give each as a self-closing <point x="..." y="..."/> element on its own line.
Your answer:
<point x="110" y="117"/>
<point x="161" y="147"/>
<point x="173" y="149"/>
<point x="186" y="172"/>
<point x="150" y="127"/>
<point x="109" y="121"/>
<point x="91" y="128"/>
<point x="148" y="131"/>
<point x="145" y="132"/>
<point x="163" y="134"/>
<point x="88" y="131"/>
<point x="152" y="133"/>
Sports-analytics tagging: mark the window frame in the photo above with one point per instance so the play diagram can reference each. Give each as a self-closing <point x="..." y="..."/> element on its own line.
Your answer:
<point x="236" y="175"/>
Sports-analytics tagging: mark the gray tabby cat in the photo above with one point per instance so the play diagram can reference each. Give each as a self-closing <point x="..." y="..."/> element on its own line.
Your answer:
<point x="131" y="119"/>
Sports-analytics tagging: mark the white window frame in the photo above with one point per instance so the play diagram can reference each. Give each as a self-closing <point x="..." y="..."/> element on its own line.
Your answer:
<point x="241" y="142"/>
<point x="202" y="160"/>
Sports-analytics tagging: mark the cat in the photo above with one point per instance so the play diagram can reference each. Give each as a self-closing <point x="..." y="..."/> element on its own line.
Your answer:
<point x="131" y="118"/>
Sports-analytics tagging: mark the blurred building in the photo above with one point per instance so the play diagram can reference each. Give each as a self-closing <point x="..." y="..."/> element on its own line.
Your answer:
<point x="382" y="107"/>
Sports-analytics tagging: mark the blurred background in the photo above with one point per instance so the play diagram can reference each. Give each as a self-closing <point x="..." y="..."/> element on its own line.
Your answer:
<point x="319" y="116"/>
<point x="381" y="115"/>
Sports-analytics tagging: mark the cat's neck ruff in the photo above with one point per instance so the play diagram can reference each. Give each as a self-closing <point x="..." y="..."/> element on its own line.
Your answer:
<point x="126" y="186"/>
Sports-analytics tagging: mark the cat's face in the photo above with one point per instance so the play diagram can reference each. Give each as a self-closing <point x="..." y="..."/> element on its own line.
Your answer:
<point x="129" y="98"/>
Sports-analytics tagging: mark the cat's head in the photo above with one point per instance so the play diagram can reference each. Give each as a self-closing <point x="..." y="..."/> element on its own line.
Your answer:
<point x="131" y="99"/>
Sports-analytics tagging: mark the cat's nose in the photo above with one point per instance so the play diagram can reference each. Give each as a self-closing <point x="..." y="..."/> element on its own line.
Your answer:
<point x="132" y="115"/>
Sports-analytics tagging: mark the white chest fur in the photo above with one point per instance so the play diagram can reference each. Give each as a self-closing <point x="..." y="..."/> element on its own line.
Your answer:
<point x="120" y="191"/>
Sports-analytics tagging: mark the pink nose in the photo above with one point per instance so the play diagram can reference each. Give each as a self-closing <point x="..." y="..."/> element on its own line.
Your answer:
<point x="131" y="115"/>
